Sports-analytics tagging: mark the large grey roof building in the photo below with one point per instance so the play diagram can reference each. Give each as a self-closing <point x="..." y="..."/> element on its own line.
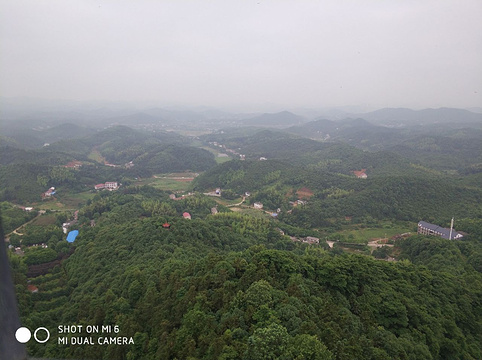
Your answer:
<point x="426" y="228"/>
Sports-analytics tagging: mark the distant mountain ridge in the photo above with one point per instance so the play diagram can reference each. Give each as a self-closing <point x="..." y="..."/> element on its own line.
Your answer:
<point x="280" y="119"/>
<point x="407" y="117"/>
<point x="443" y="145"/>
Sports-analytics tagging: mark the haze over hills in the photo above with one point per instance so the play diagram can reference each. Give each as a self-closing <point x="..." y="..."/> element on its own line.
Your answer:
<point x="32" y="112"/>
<point x="406" y="117"/>
<point x="277" y="120"/>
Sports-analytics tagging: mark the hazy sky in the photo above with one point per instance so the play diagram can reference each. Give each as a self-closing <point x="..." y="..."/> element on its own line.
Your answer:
<point x="221" y="53"/>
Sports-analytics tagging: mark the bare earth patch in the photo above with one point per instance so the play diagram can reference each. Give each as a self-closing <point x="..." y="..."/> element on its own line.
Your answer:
<point x="304" y="193"/>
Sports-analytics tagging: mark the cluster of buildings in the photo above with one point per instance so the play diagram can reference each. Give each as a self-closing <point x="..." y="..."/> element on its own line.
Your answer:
<point x="74" y="164"/>
<point x="231" y="151"/>
<point x="307" y="240"/>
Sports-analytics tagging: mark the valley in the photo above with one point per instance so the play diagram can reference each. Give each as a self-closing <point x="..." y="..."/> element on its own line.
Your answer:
<point x="289" y="233"/>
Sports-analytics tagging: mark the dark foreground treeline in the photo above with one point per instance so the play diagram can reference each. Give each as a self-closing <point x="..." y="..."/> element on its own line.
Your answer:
<point x="230" y="286"/>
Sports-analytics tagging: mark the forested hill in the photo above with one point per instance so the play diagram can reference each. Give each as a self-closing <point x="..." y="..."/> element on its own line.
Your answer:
<point x="276" y="120"/>
<point x="153" y="152"/>
<point x="334" y="196"/>
<point x="34" y="138"/>
<point x="443" y="146"/>
<point x="26" y="174"/>
<point x="357" y="132"/>
<point x="331" y="156"/>
<point x="117" y="144"/>
<point x="230" y="286"/>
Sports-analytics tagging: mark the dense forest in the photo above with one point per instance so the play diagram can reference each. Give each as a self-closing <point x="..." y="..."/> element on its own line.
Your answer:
<point x="230" y="286"/>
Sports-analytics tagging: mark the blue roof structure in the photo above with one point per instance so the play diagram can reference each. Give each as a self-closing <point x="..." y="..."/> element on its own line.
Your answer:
<point x="72" y="235"/>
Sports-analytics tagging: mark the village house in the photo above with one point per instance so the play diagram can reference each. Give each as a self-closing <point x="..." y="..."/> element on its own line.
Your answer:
<point x="50" y="192"/>
<point x="311" y="240"/>
<point x="32" y="288"/>
<point x="186" y="215"/>
<point x="73" y="164"/>
<point x="68" y="224"/>
<point x="258" y="205"/>
<point x="425" y="228"/>
<point x="360" y="174"/>
<point x="110" y="185"/>
<point x="65" y="227"/>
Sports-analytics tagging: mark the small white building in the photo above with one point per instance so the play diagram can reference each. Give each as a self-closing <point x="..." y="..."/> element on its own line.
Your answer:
<point x="258" y="205"/>
<point x="311" y="240"/>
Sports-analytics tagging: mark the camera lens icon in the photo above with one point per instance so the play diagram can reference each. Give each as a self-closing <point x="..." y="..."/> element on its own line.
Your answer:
<point x="23" y="335"/>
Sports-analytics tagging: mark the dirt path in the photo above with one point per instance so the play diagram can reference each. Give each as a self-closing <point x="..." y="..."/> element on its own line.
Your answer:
<point x="7" y="237"/>
<point x="238" y="204"/>
<point x="375" y="243"/>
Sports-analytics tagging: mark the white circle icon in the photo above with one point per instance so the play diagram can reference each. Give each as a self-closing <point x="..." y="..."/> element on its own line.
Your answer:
<point x="23" y="335"/>
<point x="41" y="341"/>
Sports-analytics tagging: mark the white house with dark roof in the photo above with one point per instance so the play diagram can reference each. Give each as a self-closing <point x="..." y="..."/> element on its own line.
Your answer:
<point x="426" y="228"/>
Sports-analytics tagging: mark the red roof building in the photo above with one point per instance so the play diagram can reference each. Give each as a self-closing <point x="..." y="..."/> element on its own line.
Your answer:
<point x="32" y="288"/>
<point x="360" y="174"/>
<point x="186" y="215"/>
<point x="73" y="164"/>
<point x="166" y="225"/>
